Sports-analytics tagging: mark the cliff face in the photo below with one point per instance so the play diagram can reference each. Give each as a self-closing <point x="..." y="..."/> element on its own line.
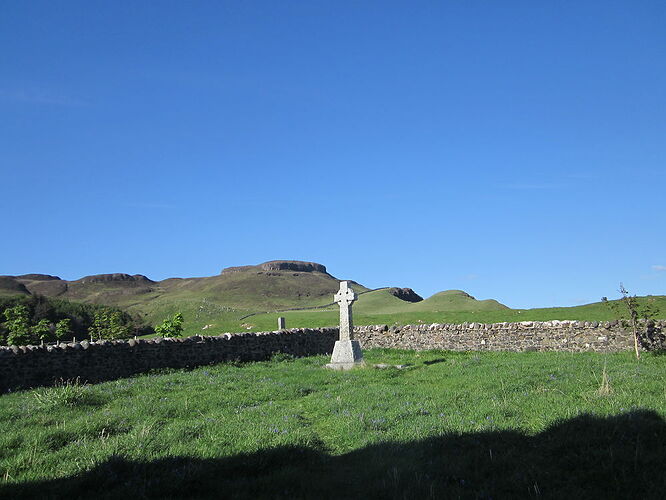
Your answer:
<point x="115" y="277"/>
<point x="298" y="266"/>
<point x="293" y="265"/>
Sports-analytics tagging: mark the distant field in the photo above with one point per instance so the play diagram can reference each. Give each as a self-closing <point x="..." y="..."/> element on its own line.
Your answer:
<point x="450" y="425"/>
<point x="379" y="307"/>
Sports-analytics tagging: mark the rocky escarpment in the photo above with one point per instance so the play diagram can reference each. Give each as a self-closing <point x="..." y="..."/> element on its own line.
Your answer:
<point x="406" y="294"/>
<point x="293" y="265"/>
<point x="37" y="277"/>
<point x="237" y="269"/>
<point x="280" y="265"/>
<point x="115" y="277"/>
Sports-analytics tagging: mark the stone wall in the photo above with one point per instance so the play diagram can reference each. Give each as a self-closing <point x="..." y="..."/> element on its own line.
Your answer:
<point x="30" y="366"/>
<point x="572" y="336"/>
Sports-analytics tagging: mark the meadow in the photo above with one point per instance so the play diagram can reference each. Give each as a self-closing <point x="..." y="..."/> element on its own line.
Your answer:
<point x="470" y="425"/>
<point x="379" y="307"/>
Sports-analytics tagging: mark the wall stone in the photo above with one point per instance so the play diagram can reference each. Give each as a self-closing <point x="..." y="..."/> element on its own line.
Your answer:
<point x="570" y="336"/>
<point x="31" y="366"/>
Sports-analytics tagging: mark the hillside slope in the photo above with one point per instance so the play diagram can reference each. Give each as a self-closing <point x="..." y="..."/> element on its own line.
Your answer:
<point x="252" y="297"/>
<point x="269" y="286"/>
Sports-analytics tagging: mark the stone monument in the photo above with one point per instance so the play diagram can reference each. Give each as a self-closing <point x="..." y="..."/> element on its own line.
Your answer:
<point x="347" y="351"/>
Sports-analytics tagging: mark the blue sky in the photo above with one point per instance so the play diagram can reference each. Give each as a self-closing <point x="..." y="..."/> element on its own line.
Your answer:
<point x="515" y="150"/>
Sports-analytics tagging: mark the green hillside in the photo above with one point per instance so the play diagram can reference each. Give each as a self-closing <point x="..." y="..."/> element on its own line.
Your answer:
<point x="9" y="287"/>
<point x="380" y="308"/>
<point x="250" y="298"/>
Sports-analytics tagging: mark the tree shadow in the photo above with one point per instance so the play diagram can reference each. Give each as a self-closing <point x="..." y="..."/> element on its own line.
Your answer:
<point x="585" y="457"/>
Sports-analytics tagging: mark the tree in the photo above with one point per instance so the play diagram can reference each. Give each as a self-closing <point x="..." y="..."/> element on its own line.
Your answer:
<point x="171" y="327"/>
<point x="41" y="331"/>
<point x="108" y="324"/>
<point x="17" y="324"/>
<point x="635" y="311"/>
<point x="63" y="328"/>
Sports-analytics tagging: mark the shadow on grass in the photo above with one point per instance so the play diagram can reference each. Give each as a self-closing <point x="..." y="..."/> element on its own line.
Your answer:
<point x="586" y="457"/>
<point x="434" y="361"/>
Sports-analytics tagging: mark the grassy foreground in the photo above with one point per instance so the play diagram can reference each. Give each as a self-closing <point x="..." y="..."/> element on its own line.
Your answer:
<point x="472" y="425"/>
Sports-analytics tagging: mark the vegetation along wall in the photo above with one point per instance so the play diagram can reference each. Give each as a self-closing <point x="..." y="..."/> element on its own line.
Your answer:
<point x="29" y="366"/>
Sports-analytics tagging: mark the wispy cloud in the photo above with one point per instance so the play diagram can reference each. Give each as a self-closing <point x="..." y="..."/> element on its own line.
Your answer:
<point x="471" y="276"/>
<point x="658" y="268"/>
<point x="33" y="96"/>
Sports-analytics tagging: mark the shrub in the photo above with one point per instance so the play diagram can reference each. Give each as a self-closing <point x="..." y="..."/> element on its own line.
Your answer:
<point x="171" y="327"/>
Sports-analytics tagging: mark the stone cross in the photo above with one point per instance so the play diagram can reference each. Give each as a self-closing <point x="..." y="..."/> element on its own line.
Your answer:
<point x="347" y="352"/>
<point x="345" y="298"/>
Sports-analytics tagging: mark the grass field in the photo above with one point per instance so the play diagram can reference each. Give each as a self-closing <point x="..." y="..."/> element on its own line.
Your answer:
<point x="471" y="425"/>
<point x="380" y="307"/>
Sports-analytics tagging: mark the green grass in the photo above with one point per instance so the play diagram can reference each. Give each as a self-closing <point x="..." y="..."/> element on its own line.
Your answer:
<point x="382" y="308"/>
<point x="472" y="425"/>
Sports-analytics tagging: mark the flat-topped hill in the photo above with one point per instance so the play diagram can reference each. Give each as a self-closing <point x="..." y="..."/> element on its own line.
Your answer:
<point x="280" y="265"/>
<point x="273" y="284"/>
<point x="251" y="297"/>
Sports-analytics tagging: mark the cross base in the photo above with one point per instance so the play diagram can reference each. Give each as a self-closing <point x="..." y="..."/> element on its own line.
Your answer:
<point x="346" y="355"/>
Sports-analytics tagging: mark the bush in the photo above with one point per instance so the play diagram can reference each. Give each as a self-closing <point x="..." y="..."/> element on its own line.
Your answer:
<point x="171" y="327"/>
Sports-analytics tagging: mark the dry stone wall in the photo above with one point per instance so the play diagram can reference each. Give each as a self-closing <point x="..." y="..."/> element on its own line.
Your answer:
<point x="572" y="336"/>
<point x="31" y="366"/>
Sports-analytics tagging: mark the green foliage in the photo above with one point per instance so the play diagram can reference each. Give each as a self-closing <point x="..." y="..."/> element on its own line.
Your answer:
<point x="42" y="330"/>
<point x="63" y="328"/>
<point x="171" y="327"/>
<point x="108" y="324"/>
<point x="632" y="309"/>
<point x="17" y="324"/>
<point x="37" y="318"/>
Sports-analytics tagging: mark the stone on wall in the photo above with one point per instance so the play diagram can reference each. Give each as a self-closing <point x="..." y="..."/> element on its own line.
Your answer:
<point x="30" y="366"/>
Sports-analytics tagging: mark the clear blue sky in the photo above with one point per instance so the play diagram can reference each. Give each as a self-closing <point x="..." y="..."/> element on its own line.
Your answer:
<point x="516" y="150"/>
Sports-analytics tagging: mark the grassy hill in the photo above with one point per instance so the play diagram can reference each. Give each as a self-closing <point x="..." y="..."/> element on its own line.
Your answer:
<point x="377" y="307"/>
<point x="252" y="297"/>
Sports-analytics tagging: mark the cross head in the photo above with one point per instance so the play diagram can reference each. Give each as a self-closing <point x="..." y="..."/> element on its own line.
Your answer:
<point x="345" y="296"/>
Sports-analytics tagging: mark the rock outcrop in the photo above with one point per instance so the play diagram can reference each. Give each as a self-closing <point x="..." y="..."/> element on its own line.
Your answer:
<point x="237" y="269"/>
<point x="293" y="265"/>
<point x="107" y="278"/>
<point x="280" y="265"/>
<point x="406" y="294"/>
<point x="37" y="277"/>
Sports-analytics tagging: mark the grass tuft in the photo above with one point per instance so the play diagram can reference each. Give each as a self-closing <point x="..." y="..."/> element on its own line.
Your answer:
<point x="66" y="393"/>
<point x="605" y="388"/>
